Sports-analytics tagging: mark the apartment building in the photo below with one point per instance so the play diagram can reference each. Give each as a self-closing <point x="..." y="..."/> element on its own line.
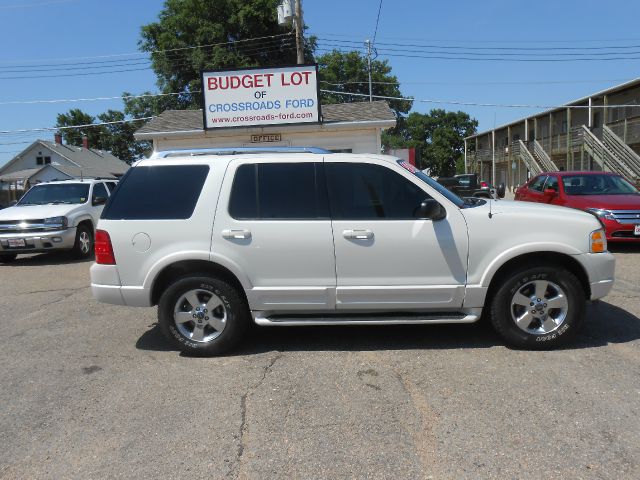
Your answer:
<point x="597" y="132"/>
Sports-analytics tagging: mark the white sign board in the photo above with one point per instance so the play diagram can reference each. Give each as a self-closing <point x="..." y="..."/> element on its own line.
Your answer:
<point x="259" y="97"/>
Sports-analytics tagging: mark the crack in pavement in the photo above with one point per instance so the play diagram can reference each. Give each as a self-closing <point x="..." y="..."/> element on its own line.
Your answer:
<point x="243" y="415"/>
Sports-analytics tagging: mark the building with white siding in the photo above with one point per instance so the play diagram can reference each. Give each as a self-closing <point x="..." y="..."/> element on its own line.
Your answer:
<point x="347" y="127"/>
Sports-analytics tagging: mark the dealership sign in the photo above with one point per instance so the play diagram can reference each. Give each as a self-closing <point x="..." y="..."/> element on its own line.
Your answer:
<point x="259" y="97"/>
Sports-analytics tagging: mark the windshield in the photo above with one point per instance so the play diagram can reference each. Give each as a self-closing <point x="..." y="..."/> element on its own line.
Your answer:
<point x="56" y="193"/>
<point x="433" y="184"/>
<point x="597" y="185"/>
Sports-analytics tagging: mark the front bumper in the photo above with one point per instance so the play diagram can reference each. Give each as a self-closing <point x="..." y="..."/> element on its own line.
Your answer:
<point x="38" y="242"/>
<point x="620" y="232"/>
<point x="600" y="268"/>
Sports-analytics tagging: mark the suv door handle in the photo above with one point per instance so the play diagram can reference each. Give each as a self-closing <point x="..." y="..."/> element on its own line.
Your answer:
<point x="239" y="234"/>
<point x="358" y="234"/>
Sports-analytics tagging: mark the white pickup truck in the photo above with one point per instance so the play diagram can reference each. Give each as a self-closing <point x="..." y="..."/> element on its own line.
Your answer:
<point x="54" y="216"/>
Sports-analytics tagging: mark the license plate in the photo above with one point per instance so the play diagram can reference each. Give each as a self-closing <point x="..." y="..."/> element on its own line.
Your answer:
<point x="16" y="242"/>
<point x="636" y="230"/>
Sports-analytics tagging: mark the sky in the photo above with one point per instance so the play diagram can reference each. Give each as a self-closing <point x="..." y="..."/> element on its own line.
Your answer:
<point x="593" y="48"/>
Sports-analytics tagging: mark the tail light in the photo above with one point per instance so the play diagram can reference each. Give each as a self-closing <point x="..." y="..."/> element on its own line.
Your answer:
<point x="104" y="249"/>
<point x="484" y="185"/>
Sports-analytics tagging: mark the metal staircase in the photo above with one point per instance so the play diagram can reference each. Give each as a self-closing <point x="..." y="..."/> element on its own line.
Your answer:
<point x="623" y="151"/>
<point x="521" y="150"/>
<point x="543" y="157"/>
<point x="603" y="156"/>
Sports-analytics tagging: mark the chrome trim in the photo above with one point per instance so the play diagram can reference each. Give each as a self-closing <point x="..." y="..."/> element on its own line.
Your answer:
<point x="626" y="217"/>
<point x="24" y="227"/>
<point x="238" y="150"/>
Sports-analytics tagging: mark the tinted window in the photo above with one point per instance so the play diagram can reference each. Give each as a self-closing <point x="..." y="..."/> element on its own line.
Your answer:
<point x="552" y="183"/>
<point x="99" y="190"/>
<point x="365" y="191"/>
<point x="158" y="192"/>
<point x="597" y="185"/>
<point x="537" y="183"/>
<point x="56" y="193"/>
<point x="111" y="186"/>
<point x="279" y="191"/>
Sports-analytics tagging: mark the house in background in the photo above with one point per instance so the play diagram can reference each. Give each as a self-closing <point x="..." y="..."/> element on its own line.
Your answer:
<point x="44" y="161"/>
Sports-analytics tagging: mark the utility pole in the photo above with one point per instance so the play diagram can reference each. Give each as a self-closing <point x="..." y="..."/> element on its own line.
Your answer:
<point x="367" y="43"/>
<point x="299" y="26"/>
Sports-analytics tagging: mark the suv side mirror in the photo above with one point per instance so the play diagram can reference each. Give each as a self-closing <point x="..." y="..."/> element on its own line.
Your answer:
<point x="99" y="201"/>
<point x="431" y="210"/>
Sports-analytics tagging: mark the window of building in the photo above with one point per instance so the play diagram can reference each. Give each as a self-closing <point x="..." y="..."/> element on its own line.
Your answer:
<point x="279" y="191"/>
<point x="371" y="192"/>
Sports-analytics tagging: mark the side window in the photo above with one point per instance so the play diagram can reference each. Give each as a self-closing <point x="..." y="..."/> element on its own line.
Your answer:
<point x="99" y="190"/>
<point x="365" y="191"/>
<point x="111" y="186"/>
<point x="537" y="183"/>
<point x="552" y="183"/>
<point x="167" y="192"/>
<point x="279" y="191"/>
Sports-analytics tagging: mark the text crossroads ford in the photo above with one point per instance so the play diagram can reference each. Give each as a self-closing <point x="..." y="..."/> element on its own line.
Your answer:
<point x="218" y="238"/>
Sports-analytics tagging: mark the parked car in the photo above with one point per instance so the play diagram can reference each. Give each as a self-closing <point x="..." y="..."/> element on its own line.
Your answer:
<point x="218" y="239"/>
<point x="54" y="216"/>
<point x="470" y="185"/>
<point x="610" y="197"/>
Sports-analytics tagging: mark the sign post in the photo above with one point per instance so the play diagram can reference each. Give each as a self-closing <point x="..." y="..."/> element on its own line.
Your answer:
<point x="260" y="97"/>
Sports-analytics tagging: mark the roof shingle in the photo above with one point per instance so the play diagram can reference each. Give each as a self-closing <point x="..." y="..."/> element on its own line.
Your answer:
<point x="191" y="120"/>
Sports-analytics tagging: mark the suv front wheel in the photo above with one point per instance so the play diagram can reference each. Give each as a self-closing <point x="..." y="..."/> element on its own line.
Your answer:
<point x="538" y="308"/>
<point x="203" y="315"/>
<point x="83" y="246"/>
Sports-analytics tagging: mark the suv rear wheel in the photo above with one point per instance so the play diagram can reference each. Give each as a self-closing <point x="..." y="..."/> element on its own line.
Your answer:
<point x="203" y="315"/>
<point x="538" y="307"/>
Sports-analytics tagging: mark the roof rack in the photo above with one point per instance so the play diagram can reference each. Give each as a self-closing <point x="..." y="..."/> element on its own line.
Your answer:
<point x="239" y="150"/>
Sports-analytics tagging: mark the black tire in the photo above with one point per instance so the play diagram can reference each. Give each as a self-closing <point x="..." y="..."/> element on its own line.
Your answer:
<point x="537" y="335"/>
<point x="236" y="315"/>
<point x="8" y="257"/>
<point x="82" y="249"/>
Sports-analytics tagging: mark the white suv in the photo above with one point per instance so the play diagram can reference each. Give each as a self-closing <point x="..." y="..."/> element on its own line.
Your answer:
<point x="54" y="216"/>
<point x="218" y="239"/>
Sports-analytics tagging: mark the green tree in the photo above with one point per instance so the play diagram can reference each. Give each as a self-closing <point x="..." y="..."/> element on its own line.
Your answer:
<point x="73" y="136"/>
<point x="348" y="72"/>
<point x="439" y="137"/>
<point x="223" y="31"/>
<point x="118" y="139"/>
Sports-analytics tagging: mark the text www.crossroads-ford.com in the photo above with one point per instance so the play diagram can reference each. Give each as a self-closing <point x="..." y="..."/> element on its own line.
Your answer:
<point x="259" y="118"/>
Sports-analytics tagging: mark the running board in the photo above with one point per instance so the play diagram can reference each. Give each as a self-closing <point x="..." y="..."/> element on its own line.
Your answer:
<point x="363" y="319"/>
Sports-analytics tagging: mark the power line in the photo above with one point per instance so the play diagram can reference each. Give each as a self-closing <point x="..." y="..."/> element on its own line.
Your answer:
<point x="72" y="100"/>
<point x="29" y="5"/>
<point x="151" y="52"/>
<point x="465" y="47"/>
<point x="473" y="104"/>
<point x="104" y="72"/>
<point x="69" y="127"/>
<point x="501" y="41"/>
<point x="375" y="32"/>
<point x="496" y="59"/>
<point x="540" y="82"/>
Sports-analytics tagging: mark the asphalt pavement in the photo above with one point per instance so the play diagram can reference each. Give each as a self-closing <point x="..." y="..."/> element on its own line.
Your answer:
<point x="94" y="391"/>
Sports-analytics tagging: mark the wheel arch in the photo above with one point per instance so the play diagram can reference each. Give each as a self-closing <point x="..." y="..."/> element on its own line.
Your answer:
<point x="536" y="259"/>
<point x="184" y="268"/>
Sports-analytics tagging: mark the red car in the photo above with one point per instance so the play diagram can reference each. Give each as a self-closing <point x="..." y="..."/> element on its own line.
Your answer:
<point x="607" y="195"/>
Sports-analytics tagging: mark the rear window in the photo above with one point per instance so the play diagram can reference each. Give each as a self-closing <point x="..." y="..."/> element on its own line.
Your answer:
<point x="167" y="192"/>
